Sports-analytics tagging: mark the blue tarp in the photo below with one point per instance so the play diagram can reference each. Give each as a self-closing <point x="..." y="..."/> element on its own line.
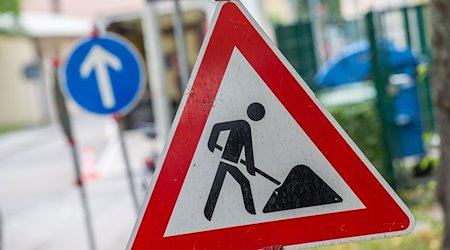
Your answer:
<point x="353" y="64"/>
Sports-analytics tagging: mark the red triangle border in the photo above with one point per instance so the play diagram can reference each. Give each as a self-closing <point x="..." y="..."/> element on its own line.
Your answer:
<point x="385" y="214"/>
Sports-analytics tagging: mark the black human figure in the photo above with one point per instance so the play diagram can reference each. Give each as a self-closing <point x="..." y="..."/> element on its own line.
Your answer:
<point x="240" y="138"/>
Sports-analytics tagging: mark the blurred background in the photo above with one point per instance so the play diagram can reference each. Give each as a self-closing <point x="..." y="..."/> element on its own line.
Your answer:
<point x="368" y="61"/>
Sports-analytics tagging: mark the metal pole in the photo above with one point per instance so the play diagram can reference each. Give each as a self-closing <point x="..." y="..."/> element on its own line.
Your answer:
<point x="406" y="25"/>
<point x="293" y="5"/>
<point x="422" y="32"/>
<point x="42" y="81"/>
<point x="1" y="231"/>
<point x="126" y="160"/>
<point x="155" y="63"/>
<point x="426" y="53"/>
<point x="183" y="64"/>
<point x="383" y="102"/>
<point x="64" y="119"/>
<point x="316" y="30"/>
<point x="87" y="215"/>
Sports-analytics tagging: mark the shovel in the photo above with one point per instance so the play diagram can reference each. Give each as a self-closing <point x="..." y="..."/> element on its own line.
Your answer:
<point x="263" y="174"/>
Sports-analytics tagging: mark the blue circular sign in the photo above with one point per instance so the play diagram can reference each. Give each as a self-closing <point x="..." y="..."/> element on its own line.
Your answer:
<point x="104" y="75"/>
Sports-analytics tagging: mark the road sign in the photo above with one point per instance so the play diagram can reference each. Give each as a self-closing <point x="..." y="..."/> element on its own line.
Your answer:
<point x="254" y="160"/>
<point x="104" y="75"/>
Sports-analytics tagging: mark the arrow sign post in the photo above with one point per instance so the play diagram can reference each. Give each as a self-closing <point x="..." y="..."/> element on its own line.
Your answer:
<point x="123" y="147"/>
<point x="104" y="75"/>
<point x="64" y="119"/>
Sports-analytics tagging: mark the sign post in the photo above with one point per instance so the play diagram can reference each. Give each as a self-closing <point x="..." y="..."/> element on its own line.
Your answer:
<point x="254" y="161"/>
<point x="64" y="119"/>
<point x="126" y="159"/>
<point x="183" y="64"/>
<point x="104" y="75"/>
<point x="154" y="54"/>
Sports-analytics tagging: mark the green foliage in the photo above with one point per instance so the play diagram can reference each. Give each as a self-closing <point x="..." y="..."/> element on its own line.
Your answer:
<point x="7" y="128"/>
<point x="332" y="10"/>
<point x="362" y="123"/>
<point x="303" y="10"/>
<point x="12" y="6"/>
<point x="422" y="240"/>
<point x="421" y="199"/>
<point x="428" y="233"/>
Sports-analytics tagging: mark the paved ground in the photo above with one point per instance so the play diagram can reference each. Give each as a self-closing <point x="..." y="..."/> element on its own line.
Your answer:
<point x="40" y="204"/>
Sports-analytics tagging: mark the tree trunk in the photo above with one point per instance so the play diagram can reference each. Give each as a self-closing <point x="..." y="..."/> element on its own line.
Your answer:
<point x="440" y="10"/>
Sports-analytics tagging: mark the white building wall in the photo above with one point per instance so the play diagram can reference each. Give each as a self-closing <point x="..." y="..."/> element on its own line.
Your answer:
<point x="20" y="99"/>
<point x="25" y="101"/>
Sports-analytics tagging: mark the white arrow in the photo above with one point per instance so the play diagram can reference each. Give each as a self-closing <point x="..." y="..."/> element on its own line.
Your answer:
<point x="98" y="59"/>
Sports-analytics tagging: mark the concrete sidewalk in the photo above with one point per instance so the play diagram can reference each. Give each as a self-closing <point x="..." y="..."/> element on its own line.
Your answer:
<point x="40" y="204"/>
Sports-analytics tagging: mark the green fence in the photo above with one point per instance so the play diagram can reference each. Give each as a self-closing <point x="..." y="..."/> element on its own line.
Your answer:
<point x="296" y="43"/>
<point x="405" y="27"/>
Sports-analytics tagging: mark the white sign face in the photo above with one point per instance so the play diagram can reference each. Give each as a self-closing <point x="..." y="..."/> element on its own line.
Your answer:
<point x="279" y="144"/>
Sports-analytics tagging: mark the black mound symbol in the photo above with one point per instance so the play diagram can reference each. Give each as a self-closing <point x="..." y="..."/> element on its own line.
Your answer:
<point x="302" y="188"/>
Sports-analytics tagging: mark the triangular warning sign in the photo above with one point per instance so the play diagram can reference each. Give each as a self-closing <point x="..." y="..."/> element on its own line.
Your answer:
<point x="254" y="160"/>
